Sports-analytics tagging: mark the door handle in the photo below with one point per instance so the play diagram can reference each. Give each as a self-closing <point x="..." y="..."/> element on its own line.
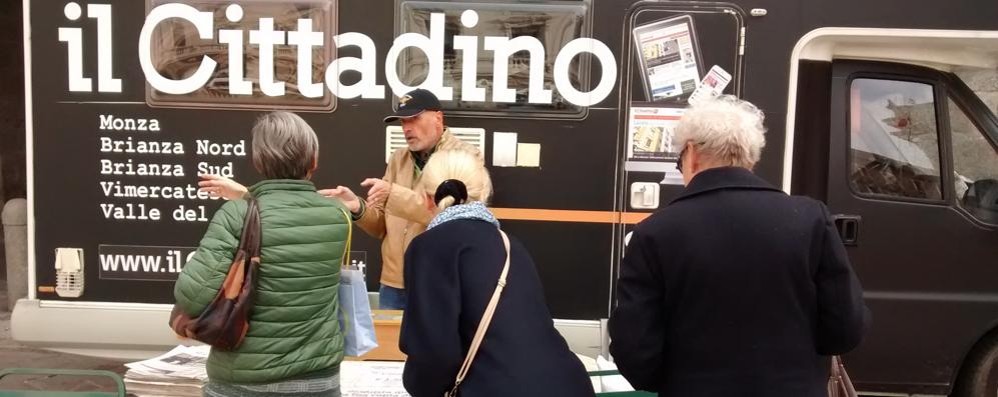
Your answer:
<point x="848" y="227"/>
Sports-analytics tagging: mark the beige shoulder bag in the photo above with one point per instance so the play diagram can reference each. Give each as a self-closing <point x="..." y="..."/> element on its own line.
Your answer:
<point x="484" y="324"/>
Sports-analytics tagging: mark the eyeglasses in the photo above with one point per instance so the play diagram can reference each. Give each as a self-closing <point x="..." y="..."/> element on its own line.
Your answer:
<point x="679" y="160"/>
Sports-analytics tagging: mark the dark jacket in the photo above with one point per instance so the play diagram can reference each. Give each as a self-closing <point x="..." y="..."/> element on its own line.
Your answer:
<point x="451" y="272"/>
<point x="735" y="289"/>
<point x="294" y="329"/>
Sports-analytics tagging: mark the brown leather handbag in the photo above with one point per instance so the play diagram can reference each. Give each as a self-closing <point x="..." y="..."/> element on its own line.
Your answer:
<point x="224" y="323"/>
<point x="839" y="384"/>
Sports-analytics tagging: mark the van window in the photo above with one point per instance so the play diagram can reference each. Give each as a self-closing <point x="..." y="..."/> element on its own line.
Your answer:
<point x="894" y="139"/>
<point x="984" y="83"/>
<point x="975" y="164"/>
<point x="552" y="23"/>
<point x="177" y="50"/>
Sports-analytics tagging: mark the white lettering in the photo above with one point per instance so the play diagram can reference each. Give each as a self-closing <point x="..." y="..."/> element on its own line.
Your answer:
<point x="108" y="145"/>
<point x="132" y="263"/>
<point x="202" y="22"/>
<point x="238" y="85"/>
<point x="433" y="47"/>
<point x="73" y="37"/>
<point x="112" y="122"/>
<point x="170" y="260"/>
<point x="190" y="215"/>
<point x="367" y="87"/>
<point x="224" y="170"/>
<point x="118" y="190"/>
<point x="305" y="39"/>
<point x="468" y="45"/>
<point x="130" y="212"/>
<point x="207" y="147"/>
<point x="607" y="62"/>
<point x="105" y="77"/>
<point x="265" y="38"/>
<point x="505" y="47"/>
<point x="108" y="167"/>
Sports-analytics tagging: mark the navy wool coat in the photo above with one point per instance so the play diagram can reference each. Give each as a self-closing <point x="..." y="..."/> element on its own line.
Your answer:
<point x="451" y="272"/>
<point x="735" y="289"/>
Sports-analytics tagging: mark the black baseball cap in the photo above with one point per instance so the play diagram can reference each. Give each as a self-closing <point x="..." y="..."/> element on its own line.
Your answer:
<point x="415" y="102"/>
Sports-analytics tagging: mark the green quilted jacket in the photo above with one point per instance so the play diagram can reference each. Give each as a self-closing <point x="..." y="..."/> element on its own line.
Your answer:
<point x="294" y="332"/>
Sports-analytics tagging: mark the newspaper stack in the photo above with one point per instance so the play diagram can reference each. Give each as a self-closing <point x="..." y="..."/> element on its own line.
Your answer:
<point x="179" y="372"/>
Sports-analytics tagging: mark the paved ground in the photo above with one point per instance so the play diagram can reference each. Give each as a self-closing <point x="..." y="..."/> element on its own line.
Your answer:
<point x="14" y="355"/>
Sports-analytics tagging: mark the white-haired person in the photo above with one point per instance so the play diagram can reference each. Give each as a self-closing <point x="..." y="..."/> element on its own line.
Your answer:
<point x="451" y="271"/>
<point x="735" y="288"/>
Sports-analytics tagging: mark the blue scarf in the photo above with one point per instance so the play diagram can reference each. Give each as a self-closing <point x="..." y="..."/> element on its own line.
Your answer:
<point x="472" y="210"/>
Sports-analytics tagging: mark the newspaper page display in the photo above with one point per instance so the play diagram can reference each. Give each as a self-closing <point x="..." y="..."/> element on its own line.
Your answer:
<point x="183" y="372"/>
<point x="712" y="85"/>
<point x="650" y="133"/>
<point x="669" y="58"/>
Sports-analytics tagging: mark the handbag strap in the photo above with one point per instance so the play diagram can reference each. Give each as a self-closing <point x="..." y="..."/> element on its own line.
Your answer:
<point x="249" y="241"/>
<point x="836" y="367"/>
<point x="841" y="377"/>
<point x="246" y="253"/>
<point x="486" y="319"/>
<point x="345" y="262"/>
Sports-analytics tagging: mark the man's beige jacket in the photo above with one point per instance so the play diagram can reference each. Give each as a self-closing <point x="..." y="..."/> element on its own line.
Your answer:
<point x="404" y="215"/>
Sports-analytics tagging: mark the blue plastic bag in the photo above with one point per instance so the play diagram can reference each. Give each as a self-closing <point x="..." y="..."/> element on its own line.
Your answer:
<point x="355" y="314"/>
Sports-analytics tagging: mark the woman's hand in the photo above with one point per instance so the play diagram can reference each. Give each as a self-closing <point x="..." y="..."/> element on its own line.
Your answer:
<point x="345" y="195"/>
<point x="220" y="186"/>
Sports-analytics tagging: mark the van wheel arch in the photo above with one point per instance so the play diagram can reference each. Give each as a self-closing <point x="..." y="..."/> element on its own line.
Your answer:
<point x="978" y="371"/>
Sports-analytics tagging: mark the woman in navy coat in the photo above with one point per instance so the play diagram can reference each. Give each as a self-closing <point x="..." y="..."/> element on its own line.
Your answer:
<point x="451" y="271"/>
<point x="735" y="288"/>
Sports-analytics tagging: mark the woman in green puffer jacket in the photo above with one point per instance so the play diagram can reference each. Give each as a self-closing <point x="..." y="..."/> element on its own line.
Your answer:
<point x="294" y="345"/>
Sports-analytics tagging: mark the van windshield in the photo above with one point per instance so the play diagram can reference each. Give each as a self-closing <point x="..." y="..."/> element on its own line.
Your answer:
<point x="975" y="157"/>
<point x="984" y="83"/>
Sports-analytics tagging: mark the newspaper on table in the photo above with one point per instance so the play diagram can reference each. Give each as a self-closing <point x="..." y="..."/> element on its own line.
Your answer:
<point x="182" y="372"/>
<point x="179" y="372"/>
<point x="183" y="362"/>
<point x="372" y="379"/>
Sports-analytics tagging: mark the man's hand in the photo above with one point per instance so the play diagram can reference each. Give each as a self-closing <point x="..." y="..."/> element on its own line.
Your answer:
<point x="345" y="195"/>
<point x="378" y="192"/>
<point x="220" y="186"/>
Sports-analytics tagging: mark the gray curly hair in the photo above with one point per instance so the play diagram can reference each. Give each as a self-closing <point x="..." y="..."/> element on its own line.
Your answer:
<point x="728" y="130"/>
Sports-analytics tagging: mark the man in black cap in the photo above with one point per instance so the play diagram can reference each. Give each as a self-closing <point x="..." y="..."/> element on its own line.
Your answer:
<point x="392" y="211"/>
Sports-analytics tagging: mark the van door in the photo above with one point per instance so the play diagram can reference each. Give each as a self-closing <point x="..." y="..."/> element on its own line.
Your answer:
<point x="912" y="170"/>
<point x="669" y="48"/>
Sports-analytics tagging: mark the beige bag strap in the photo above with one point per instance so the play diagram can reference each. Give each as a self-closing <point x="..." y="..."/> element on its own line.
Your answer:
<point x="486" y="320"/>
<point x="839" y="384"/>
